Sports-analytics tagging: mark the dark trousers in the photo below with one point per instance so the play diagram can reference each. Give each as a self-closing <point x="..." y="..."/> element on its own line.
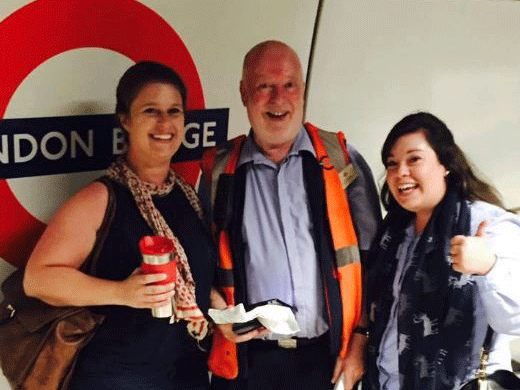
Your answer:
<point x="174" y="363"/>
<point x="271" y="367"/>
<point x="132" y="380"/>
<point x="190" y="374"/>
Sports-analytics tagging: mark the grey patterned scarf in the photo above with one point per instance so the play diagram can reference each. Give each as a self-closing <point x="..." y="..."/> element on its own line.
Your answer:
<point x="436" y="305"/>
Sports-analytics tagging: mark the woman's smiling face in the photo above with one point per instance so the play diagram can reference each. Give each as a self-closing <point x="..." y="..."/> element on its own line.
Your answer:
<point x="155" y="124"/>
<point x="415" y="176"/>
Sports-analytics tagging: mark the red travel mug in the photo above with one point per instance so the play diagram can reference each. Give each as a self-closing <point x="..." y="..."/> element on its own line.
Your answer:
<point x="157" y="258"/>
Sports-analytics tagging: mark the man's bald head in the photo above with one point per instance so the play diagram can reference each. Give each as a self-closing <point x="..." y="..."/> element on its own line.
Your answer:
<point x="256" y="53"/>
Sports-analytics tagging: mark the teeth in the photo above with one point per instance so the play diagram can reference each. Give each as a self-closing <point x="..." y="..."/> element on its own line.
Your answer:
<point x="274" y="113"/>
<point x="162" y="136"/>
<point x="406" y="187"/>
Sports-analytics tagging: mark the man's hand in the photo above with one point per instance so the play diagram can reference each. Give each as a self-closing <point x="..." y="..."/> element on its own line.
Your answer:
<point x="353" y="366"/>
<point x="472" y="255"/>
<point x="217" y="302"/>
<point x="227" y="331"/>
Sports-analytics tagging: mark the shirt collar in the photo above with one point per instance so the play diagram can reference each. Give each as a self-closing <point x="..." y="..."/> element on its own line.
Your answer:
<point x="252" y="153"/>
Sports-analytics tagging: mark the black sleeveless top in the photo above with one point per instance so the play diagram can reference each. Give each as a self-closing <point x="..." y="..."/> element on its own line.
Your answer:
<point x="133" y="336"/>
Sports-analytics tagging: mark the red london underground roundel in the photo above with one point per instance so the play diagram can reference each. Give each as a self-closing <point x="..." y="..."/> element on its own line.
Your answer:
<point x="46" y="28"/>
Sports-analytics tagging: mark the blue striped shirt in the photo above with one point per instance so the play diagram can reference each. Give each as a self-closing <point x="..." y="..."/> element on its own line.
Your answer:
<point x="280" y="257"/>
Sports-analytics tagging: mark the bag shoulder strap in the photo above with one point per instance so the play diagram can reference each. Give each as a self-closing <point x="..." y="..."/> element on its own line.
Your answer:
<point x="89" y="266"/>
<point x="489" y="338"/>
<point x="12" y="284"/>
<point x="39" y="313"/>
<point x="481" y="374"/>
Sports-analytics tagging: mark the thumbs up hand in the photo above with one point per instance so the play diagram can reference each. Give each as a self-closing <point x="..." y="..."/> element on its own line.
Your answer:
<point x="471" y="254"/>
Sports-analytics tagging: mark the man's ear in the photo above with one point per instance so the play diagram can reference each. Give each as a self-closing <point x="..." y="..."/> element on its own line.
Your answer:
<point x="243" y="93"/>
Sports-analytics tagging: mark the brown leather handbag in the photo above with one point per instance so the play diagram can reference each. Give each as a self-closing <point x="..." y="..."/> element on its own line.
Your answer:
<point x="39" y="343"/>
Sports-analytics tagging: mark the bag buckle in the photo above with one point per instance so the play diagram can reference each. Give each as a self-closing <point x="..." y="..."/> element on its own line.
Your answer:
<point x="11" y="309"/>
<point x="288" y="343"/>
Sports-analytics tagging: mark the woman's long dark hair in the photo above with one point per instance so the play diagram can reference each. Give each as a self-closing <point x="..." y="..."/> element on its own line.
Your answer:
<point x="440" y="138"/>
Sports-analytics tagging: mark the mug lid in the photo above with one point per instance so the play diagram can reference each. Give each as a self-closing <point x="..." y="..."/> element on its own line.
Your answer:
<point x="155" y="245"/>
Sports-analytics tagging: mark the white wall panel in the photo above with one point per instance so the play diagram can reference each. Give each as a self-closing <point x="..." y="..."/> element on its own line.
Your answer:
<point x="377" y="61"/>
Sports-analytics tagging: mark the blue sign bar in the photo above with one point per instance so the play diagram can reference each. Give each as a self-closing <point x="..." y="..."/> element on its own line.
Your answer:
<point x="47" y="146"/>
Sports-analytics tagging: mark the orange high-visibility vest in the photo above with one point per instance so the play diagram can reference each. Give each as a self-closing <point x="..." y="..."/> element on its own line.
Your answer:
<point x="338" y="172"/>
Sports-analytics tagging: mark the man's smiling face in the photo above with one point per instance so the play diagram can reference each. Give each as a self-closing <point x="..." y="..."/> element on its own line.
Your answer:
<point x="272" y="90"/>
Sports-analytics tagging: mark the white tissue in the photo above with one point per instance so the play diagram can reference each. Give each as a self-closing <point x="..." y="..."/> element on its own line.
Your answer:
<point x="276" y="318"/>
<point x="340" y="385"/>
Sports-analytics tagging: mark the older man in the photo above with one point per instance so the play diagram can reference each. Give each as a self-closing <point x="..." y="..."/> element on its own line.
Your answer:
<point x="286" y="230"/>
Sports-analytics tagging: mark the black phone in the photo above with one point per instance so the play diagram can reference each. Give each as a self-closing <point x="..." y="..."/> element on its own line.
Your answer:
<point x="244" y="327"/>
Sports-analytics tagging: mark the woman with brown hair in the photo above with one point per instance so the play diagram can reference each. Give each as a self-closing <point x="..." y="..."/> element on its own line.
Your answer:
<point x="443" y="266"/>
<point x="132" y="349"/>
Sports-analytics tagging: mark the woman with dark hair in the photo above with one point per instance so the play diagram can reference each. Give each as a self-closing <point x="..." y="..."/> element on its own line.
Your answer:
<point x="443" y="266"/>
<point x="132" y="349"/>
